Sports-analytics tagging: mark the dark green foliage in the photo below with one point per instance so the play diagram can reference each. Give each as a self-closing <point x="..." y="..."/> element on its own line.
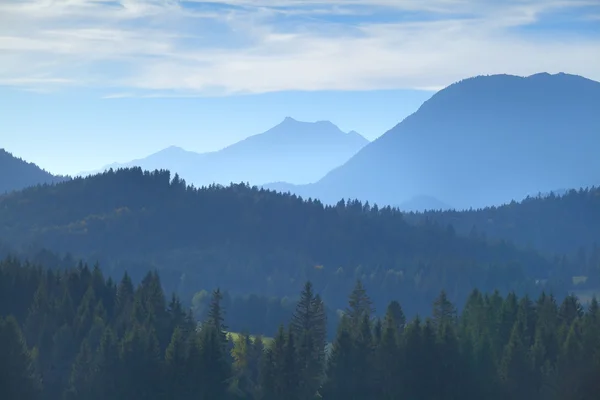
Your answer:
<point x="566" y="223"/>
<point x="94" y="340"/>
<point x="308" y="328"/>
<point x="251" y="240"/>
<point x="18" y="378"/>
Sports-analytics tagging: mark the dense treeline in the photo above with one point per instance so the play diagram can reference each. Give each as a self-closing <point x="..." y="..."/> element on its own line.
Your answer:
<point x="73" y="334"/>
<point x="554" y="224"/>
<point x="16" y="174"/>
<point x="256" y="241"/>
<point x="257" y="314"/>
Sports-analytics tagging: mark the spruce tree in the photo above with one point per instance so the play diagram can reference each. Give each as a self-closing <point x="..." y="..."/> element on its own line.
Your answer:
<point x="359" y="305"/>
<point x="308" y="326"/>
<point x="18" y="378"/>
<point x="388" y="366"/>
<point x="216" y="317"/>
<point x="444" y="312"/>
<point x="176" y="356"/>
<point x="215" y="368"/>
<point x="339" y="383"/>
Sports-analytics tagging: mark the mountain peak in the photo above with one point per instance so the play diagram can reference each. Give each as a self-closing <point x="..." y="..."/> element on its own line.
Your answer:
<point x="291" y="125"/>
<point x="292" y="121"/>
<point x="482" y="141"/>
<point x="173" y="149"/>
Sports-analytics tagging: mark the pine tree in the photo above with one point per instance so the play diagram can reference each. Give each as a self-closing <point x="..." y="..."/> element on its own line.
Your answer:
<point x="444" y="312"/>
<point x="450" y="369"/>
<point x="388" y="359"/>
<point x="175" y="365"/>
<point x="18" y="379"/>
<point x="339" y="384"/>
<point x="515" y="367"/>
<point x="571" y="362"/>
<point x="591" y="351"/>
<point x="485" y="372"/>
<point x="359" y="305"/>
<point x="216" y="318"/>
<point x="268" y="388"/>
<point x="290" y="371"/>
<point x="216" y="371"/>
<point x="107" y="377"/>
<point x="82" y="374"/>
<point x="395" y="313"/>
<point x="140" y="357"/>
<point x="309" y="329"/>
<point x="416" y="365"/>
<point x="123" y="305"/>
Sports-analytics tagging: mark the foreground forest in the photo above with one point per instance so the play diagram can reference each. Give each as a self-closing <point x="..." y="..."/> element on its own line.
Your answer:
<point x="249" y="241"/>
<point x="72" y="334"/>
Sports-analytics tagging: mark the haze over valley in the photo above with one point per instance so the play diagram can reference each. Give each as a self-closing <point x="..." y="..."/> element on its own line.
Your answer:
<point x="299" y="200"/>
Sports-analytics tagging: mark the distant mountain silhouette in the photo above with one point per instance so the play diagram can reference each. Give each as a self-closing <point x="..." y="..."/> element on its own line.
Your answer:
<point x="482" y="141"/>
<point x="293" y="151"/>
<point x="17" y="174"/>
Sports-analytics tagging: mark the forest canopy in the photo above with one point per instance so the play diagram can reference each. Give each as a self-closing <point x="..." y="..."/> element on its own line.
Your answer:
<point x="249" y="240"/>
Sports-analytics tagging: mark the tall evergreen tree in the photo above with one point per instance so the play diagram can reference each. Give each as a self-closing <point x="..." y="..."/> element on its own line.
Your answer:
<point x="444" y="312"/>
<point x="216" y="317"/>
<point x="18" y="378"/>
<point x="308" y="327"/>
<point x="359" y="305"/>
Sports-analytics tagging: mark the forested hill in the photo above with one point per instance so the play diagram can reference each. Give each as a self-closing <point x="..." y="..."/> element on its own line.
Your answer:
<point x="16" y="174"/>
<point x="552" y="224"/>
<point x="247" y="240"/>
<point x="73" y="335"/>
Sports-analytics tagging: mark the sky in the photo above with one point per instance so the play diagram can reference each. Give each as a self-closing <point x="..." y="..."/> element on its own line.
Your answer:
<point x="84" y="83"/>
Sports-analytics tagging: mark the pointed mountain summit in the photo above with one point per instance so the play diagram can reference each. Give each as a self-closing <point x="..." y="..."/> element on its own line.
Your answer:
<point x="17" y="174"/>
<point x="481" y="141"/>
<point x="292" y="151"/>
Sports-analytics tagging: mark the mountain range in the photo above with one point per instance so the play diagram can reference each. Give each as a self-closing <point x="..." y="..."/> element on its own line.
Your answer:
<point x="482" y="141"/>
<point x="16" y="174"/>
<point x="293" y="151"/>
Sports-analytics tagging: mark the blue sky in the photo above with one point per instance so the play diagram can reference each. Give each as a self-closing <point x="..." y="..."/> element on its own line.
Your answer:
<point x="86" y="83"/>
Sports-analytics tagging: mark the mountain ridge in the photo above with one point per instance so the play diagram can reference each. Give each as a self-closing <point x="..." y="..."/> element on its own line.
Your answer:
<point x="482" y="141"/>
<point x="17" y="174"/>
<point x="292" y="150"/>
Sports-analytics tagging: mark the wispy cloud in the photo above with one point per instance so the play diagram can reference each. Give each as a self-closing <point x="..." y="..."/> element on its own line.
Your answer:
<point x="169" y="47"/>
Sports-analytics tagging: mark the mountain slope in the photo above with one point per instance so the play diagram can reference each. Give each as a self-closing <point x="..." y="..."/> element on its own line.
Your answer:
<point x="551" y="223"/>
<point x="16" y="174"/>
<point x="293" y="151"/>
<point x="482" y="141"/>
<point x="248" y="240"/>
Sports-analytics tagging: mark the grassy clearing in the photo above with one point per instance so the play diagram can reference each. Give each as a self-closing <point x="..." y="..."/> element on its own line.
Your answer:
<point x="577" y="280"/>
<point x="235" y="336"/>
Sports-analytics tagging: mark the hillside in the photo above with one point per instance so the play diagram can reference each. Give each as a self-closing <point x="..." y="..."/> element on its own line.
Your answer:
<point x="16" y="174"/>
<point x="553" y="224"/>
<point x="480" y="142"/>
<point x="247" y="240"/>
<point x="293" y="151"/>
